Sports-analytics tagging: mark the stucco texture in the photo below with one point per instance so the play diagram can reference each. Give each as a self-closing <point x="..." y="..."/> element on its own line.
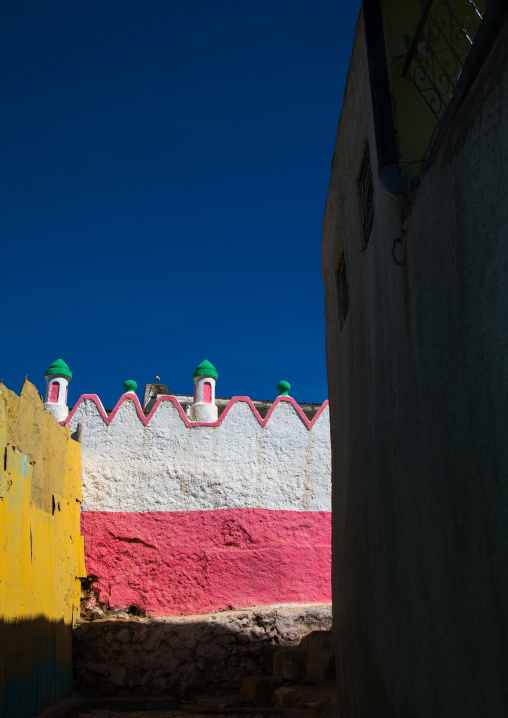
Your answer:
<point x="418" y="384"/>
<point x="186" y="518"/>
<point x="169" y="464"/>
<point x="41" y="554"/>
<point x="185" y="562"/>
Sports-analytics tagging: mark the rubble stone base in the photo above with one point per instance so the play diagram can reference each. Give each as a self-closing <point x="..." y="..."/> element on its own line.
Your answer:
<point x="185" y="656"/>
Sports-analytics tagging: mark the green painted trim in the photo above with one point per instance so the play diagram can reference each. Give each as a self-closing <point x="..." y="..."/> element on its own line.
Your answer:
<point x="283" y="388"/>
<point x="130" y="386"/>
<point x="58" y="367"/>
<point x="205" y="369"/>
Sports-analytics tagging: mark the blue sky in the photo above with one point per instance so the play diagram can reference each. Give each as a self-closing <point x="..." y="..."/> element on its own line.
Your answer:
<point x="164" y="170"/>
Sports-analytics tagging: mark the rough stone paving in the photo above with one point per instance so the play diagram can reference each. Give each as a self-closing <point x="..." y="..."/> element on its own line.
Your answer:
<point x="161" y="714"/>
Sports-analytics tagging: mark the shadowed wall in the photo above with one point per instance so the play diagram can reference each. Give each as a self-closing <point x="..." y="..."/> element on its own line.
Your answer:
<point x="418" y="388"/>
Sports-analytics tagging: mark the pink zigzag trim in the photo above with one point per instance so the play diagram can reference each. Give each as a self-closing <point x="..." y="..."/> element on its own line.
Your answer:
<point x="174" y="400"/>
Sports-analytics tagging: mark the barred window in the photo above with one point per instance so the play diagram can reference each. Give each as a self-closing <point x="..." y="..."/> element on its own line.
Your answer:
<point x="342" y="291"/>
<point x="367" y="194"/>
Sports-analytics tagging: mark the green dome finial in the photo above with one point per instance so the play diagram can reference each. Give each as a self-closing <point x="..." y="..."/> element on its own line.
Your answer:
<point x="130" y="386"/>
<point x="58" y="367"/>
<point x="283" y="388"/>
<point x="205" y="369"/>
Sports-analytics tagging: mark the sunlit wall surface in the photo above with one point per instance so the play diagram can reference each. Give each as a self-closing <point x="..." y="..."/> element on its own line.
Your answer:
<point x="41" y="553"/>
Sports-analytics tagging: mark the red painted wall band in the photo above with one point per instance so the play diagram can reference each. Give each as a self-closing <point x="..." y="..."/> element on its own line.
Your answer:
<point x="188" y="562"/>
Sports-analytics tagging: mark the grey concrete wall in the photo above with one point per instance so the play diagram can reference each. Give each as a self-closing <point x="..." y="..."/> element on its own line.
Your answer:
<point x="418" y="389"/>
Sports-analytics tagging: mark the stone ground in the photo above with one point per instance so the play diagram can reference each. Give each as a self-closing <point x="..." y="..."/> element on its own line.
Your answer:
<point x="262" y="662"/>
<point x="158" y="714"/>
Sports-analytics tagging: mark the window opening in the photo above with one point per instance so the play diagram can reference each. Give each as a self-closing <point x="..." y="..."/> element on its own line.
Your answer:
<point x="367" y="192"/>
<point x="54" y="391"/>
<point x="207" y="392"/>
<point x="342" y="291"/>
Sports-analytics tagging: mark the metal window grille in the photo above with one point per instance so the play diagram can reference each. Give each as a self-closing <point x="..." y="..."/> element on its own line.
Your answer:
<point x="367" y="192"/>
<point x="437" y="51"/>
<point x="342" y="292"/>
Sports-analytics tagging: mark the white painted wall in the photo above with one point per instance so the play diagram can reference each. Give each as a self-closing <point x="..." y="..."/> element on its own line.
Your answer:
<point x="168" y="466"/>
<point x="58" y="409"/>
<point x="201" y="411"/>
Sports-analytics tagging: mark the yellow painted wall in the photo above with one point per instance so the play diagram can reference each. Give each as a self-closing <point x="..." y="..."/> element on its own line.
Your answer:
<point x="41" y="553"/>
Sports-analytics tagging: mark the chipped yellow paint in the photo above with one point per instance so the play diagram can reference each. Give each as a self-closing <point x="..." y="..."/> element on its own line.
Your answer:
<point x="41" y="553"/>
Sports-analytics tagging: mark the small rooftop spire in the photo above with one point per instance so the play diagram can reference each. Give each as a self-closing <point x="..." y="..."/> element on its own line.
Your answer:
<point x="130" y="386"/>
<point x="283" y="388"/>
<point x="58" y="367"/>
<point x="205" y="369"/>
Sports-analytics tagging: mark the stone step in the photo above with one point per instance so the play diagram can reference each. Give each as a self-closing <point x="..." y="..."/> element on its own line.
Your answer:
<point x="228" y="709"/>
<point x="181" y="713"/>
<point x="206" y="704"/>
<point x="311" y="698"/>
<point x="318" y="640"/>
<point x="301" y="665"/>
<point x="290" y="664"/>
<point x="321" y="666"/>
<point x="259" y="690"/>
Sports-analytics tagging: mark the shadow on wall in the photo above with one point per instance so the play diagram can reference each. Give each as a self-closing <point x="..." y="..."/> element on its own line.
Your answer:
<point x="183" y="657"/>
<point x="35" y="665"/>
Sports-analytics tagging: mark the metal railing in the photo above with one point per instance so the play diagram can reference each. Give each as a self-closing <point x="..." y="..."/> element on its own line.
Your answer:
<point x="438" y="49"/>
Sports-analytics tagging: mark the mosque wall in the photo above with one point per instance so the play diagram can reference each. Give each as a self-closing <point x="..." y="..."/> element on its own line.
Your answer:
<point x="183" y="517"/>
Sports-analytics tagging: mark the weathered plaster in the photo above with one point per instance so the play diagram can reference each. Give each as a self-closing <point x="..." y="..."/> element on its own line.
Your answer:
<point x="418" y="382"/>
<point x="41" y="554"/>
<point x="185" y="562"/>
<point x="164" y="462"/>
<point x="57" y="408"/>
<point x="187" y="517"/>
<point x="204" y="408"/>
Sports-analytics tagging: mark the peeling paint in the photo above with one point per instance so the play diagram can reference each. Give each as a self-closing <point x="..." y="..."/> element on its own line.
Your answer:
<point x="41" y="554"/>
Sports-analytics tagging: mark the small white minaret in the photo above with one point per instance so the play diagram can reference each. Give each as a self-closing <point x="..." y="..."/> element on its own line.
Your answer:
<point x="58" y="376"/>
<point x="204" y="408"/>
